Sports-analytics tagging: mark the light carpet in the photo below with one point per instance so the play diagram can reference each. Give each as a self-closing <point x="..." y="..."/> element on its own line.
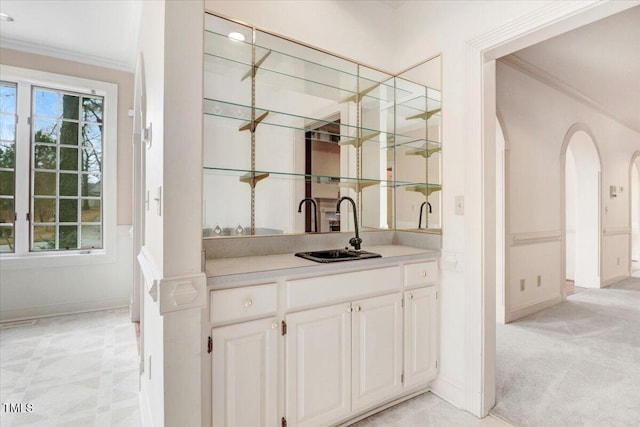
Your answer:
<point x="574" y="364"/>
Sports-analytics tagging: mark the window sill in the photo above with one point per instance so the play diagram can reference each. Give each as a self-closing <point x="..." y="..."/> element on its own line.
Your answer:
<point x="52" y="260"/>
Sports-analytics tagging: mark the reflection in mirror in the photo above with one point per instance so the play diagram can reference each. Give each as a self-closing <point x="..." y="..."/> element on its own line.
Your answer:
<point x="418" y="147"/>
<point x="285" y="123"/>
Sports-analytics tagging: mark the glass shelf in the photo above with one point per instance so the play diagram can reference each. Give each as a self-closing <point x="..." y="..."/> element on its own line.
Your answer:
<point x="286" y="71"/>
<point x="423" y="188"/>
<point x="357" y="184"/>
<point x="347" y="135"/>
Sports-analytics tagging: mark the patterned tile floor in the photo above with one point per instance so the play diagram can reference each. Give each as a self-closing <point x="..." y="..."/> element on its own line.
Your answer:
<point x="78" y="370"/>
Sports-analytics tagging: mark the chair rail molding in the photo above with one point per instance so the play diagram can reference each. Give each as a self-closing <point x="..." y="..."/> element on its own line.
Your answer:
<point x="616" y="231"/>
<point x="150" y="272"/>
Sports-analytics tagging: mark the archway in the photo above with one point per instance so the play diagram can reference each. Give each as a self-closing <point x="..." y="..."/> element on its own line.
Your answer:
<point x="501" y="185"/>
<point x="582" y="168"/>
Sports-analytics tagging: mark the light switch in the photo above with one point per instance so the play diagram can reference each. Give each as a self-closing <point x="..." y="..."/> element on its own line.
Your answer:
<point x="459" y="205"/>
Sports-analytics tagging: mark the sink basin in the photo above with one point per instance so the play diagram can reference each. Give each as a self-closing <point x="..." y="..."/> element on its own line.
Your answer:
<point x="337" y="255"/>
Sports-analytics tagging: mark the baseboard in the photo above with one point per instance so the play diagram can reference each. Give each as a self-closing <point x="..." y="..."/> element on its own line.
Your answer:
<point x="609" y="282"/>
<point x="49" y="310"/>
<point x="532" y="308"/>
<point x="449" y="391"/>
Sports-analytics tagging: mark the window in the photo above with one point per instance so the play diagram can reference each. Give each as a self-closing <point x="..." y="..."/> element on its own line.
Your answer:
<point x="66" y="166"/>
<point x="57" y="165"/>
<point x="7" y="165"/>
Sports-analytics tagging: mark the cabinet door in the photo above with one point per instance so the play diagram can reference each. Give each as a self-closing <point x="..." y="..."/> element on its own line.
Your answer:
<point x="244" y="369"/>
<point x="420" y="336"/>
<point x="377" y="350"/>
<point x="318" y="360"/>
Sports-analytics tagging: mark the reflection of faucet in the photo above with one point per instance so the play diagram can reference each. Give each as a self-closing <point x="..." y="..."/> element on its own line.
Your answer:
<point x="315" y="211"/>
<point x="354" y="241"/>
<point x="421" y="208"/>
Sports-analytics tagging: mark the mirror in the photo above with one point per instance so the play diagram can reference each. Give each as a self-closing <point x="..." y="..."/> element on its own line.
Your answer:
<point x="289" y="129"/>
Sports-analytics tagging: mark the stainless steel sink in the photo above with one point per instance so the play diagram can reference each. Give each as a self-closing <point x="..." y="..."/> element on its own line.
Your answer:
<point x="337" y="255"/>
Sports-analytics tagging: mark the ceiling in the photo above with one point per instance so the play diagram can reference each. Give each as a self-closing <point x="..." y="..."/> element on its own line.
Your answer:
<point x="598" y="63"/>
<point x="98" y="32"/>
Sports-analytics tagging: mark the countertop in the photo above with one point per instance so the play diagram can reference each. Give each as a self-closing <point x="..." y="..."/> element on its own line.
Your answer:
<point x="225" y="271"/>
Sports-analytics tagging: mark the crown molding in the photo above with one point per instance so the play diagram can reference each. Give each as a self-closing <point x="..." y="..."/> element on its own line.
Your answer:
<point x="537" y="73"/>
<point x="68" y="55"/>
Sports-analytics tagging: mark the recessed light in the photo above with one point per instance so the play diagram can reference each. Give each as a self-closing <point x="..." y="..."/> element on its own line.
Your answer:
<point x="239" y="37"/>
<point x="5" y="17"/>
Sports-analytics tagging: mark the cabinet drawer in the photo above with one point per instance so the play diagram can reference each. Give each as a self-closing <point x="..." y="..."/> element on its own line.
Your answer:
<point x="420" y="274"/>
<point x="230" y="305"/>
<point x="323" y="290"/>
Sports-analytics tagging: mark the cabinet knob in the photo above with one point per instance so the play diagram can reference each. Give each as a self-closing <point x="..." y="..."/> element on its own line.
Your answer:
<point x="358" y="308"/>
<point x="349" y="309"/>
<point x="274" y="325"/>
<point x="248" y="302"/>
<point x="424" y="274"/>
<point x="410" y="296"/>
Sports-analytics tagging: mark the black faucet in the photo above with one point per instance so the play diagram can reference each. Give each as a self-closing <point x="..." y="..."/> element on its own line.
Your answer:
<point x="315" y="211"/>
<point x="354" y="241"/>
<point x="421" y="208"/>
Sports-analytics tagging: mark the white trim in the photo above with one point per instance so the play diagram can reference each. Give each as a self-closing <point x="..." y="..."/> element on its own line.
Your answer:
<point x="525" y="310"/>
<point x="69" y="55"/>
<point x="61" y="309"/>
<point x="532" y="237"/>
<point x="616" y="231"/>
<point x="613" y="280"/>
<point x="630" y="186"/>
<point x="519" y="64"/>
<point x="145" y="409"/>
<point x="150" y="272"/>
<point x="449" y="390"/>
<point x="109" y="173"/>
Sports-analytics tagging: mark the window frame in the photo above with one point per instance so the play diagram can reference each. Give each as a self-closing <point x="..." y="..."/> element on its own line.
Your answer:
<point x="22" y="257"/>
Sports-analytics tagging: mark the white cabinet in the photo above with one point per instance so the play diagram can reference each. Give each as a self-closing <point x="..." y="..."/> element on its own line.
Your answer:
<point x="420" y="335"/>
<point x="244" y="374"/>
<point x="342" y="359"/>
<point x="377" y="350"/>
<point x="318" y="366"/>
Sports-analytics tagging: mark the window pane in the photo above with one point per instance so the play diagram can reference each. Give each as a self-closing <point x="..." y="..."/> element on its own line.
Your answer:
<point x="46" y="103"/>
<point x="68" y="210"/>
<point x="6" y="238"/>
<point x="69" y="133"/>
<point x="44" y="184"/>
<point x="6" y="183"/>
<point x="7" y="127"/>
<point x="91" y="160"/>
<point x="44" y="237"/>
<point x="45" y="130"/>
<point x="92" y="110"/>
<point x="68" y="184"/>
<point x="91" y="185"/>
<point x="91" y="237"/>
<point x="8" y="99"/>
<point x="92" y="136"/>
<point x="6" y="211"/>
<point x="69" y="159"/>
<point x="45" y="157"/>
<point x="68" y="237"/>
<point x="70" y="107"/>
<point x="7" y="155"/>
<point x="44" y="210"/>
<point x="90" y="210"/>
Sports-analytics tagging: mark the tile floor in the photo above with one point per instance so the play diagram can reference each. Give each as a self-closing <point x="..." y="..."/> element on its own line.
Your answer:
<point x="81" y="370"/>
<point x="76" y="370"/>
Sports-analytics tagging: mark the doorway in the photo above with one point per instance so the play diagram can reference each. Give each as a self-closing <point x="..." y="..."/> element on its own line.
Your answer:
<point x="634" y="194"/>
<point x="582" y="170"/>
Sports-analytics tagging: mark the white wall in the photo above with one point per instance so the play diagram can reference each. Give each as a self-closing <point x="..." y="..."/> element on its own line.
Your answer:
<point x="537" y="118"/>
<point x="587" y="210"/>
<point x="47" y="291"/>
<point x="570" y="191"/>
